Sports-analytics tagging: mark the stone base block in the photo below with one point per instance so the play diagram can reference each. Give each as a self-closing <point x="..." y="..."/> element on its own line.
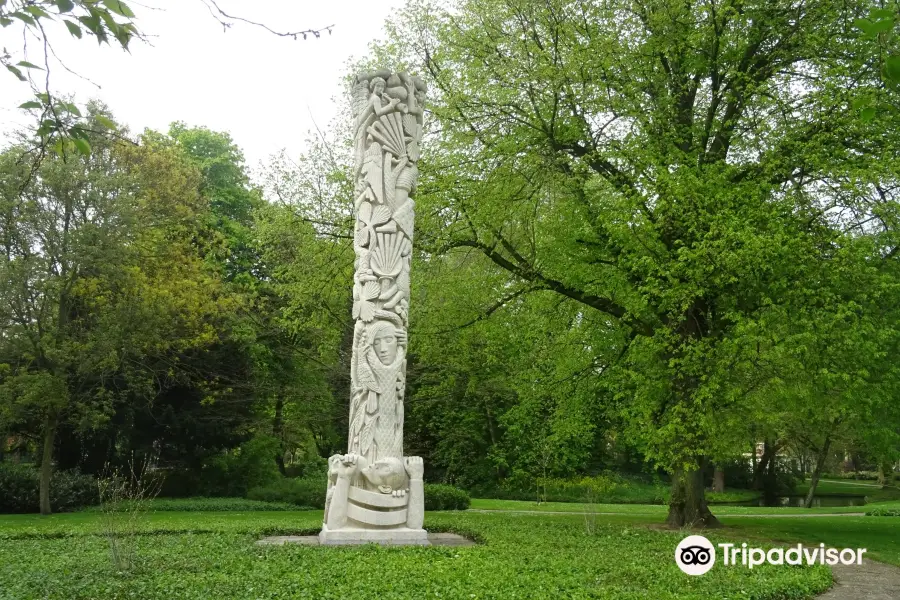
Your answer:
<point x="388" y="537"/>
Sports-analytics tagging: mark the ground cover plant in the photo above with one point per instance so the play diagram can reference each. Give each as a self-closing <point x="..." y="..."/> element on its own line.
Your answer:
<point x="185" y="555"/>
<point x="884" y="509"/>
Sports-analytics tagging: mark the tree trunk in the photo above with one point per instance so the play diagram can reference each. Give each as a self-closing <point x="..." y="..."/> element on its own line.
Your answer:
<point x="718" y="480"/>
<point x="47" y="464"/>
<point x="687" y="506"/>
<point x="278" y="432"/>
<point x="817" y="470"/>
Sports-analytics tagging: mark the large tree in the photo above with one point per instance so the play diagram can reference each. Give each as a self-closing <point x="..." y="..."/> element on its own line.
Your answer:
<point x="102" y="284"/>
<point x="684" y="169"/>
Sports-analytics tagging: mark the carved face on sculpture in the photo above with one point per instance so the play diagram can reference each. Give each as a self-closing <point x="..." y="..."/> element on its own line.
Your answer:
<point x="377" y="85"/>
<point x="387" y="474"/>
<point x="385" y="341"/>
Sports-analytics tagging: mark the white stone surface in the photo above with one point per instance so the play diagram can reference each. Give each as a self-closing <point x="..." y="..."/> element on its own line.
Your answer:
<point x="388" y="109"/>
<point x="351" y="536"/>
<point x="433" y="539"/>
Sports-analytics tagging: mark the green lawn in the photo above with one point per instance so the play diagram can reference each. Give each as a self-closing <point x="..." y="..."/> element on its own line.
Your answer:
<point x="653" y="509"/>
<point x="849" y="487"/>
<point x="213" y="555"/>
<point x="879" y="535"/>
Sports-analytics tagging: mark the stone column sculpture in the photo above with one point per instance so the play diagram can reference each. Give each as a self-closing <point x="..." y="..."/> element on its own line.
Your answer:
<point x="375" y="494"/>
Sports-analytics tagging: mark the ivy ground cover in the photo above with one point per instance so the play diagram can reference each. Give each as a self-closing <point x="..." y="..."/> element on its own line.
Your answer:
<point x="214" y="555"/>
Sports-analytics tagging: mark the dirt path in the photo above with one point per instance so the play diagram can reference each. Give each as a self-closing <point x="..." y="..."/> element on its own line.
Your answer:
<point x="868" y="581"/>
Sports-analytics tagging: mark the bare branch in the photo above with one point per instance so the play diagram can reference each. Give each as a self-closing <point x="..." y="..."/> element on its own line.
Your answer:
<point x="221" y="16"/>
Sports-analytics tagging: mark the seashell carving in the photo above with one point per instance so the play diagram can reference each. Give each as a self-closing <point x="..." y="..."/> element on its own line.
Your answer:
<point x="369" y="218"/>
<point x="410" y="126"/>
<point x="388" y="131"/>
<point x="387" y="258"/>
<point x="371" y="290"/>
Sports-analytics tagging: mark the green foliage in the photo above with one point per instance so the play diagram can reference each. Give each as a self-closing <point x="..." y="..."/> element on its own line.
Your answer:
<point x="309" y="493"/>
<point x="550" y="555"/>
<point x="445" y="497"/>
<point x="858" y="475"/>
<point x="60" y="123"/>
<point x="883" y="511"/>
<point x="250" y="466"/>
<point x="116" y="287"/>
<point x="311" y="467"/>
<point x="19" y="485"/>
<point x="608" y="488"/>
<point x="878" y="29"/>
<point x="201" y="504"/>
<point x="651" y="174"/>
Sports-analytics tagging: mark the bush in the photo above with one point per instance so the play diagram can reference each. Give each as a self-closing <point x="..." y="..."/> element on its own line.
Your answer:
<point x="211" y="505"/>
<point x="606" y="488"/>
<point x="309" y="492"/>
<point x="860" y="475"/>
<point x="312" y="467"/>
<point x="178" y="483"/>
<point x="233" y="474"/>
<point x="884" y="512"/>
<point x="20" y="489"/>
<point x="445" y="497"/>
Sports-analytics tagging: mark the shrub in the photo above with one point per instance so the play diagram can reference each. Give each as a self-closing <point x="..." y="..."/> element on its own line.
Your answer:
<point x="606" y="488"/>
<point x="178" y="483"/>
<point x="20" y="487"/>
<point x="884" y="512"/>
<point x="309" y="492"/>
<point x="315" y="466"/>
<point x="861" y="475"/>
<point x="199" y="504"/>
<point x="233" y="474"/>
<point x="445" y="497"/>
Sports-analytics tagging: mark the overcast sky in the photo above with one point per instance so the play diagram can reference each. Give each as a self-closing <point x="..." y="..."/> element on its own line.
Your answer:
<point x="263" y="89"/>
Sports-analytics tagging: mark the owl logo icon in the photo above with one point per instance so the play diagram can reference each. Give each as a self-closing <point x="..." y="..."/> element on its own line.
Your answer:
<point x="695" y="555"/>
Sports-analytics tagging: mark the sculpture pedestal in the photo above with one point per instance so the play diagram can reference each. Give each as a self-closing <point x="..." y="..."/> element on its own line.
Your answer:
<point x="351" y="536"/>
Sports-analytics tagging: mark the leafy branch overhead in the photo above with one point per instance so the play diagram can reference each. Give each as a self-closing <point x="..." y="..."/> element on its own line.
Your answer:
<point x="60" y="123"/>
<point x="108" y="21"/>
<point x="879" y="27"/>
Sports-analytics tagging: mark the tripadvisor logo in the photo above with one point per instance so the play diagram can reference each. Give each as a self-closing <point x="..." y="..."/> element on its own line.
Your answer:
<point x="696" y="555"/>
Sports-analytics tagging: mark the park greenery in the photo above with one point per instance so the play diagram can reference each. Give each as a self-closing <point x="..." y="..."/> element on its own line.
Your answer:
<point x="657" y="262"/>
<point x="656" y="286"/>
<point x="64" y="557"/>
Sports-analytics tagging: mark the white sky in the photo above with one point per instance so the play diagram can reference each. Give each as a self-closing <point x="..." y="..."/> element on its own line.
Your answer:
<point x="263" y="89"/>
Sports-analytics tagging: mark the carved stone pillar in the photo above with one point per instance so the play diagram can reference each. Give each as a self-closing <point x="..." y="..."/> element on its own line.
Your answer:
<point x="374" y="492"/>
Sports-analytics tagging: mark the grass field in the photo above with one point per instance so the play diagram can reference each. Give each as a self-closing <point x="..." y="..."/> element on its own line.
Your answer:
<point x="213" y="555"/>
<point x="655" y="509"/>
<point x="849" y="487"/>
<point x="879" y="535"/>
